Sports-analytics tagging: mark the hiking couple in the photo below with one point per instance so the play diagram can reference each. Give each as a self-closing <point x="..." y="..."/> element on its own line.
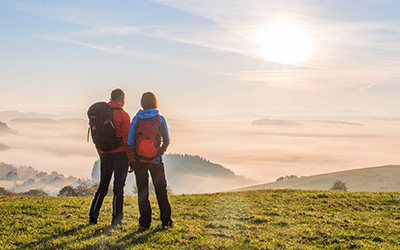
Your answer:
<point x="125" y="146"/>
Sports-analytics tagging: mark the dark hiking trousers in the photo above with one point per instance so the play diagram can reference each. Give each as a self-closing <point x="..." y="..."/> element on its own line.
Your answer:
<point x="110" y="163"/>
<point x="160" y="185"/>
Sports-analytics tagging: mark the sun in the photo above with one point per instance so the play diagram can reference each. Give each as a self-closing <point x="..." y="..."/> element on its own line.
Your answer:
<point x="284" y="42"/>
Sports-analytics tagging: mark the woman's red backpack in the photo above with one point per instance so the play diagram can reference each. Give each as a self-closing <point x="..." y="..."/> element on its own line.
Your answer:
<point x="148" y="139"/>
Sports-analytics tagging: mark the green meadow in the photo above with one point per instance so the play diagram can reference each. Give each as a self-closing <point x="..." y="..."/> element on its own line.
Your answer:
<point x="263" y="219"/>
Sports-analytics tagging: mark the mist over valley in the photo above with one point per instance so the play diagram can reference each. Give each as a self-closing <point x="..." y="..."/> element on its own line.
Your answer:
<point x="254" y="150"/>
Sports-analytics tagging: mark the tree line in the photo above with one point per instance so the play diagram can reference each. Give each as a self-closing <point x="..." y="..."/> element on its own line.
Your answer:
<point x="89" y="189"/>
<point x="86" y="189"/>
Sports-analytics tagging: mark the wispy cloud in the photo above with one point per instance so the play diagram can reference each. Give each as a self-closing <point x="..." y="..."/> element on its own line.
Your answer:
<point x="371" y="85"/>
<point x="346" y="53"/>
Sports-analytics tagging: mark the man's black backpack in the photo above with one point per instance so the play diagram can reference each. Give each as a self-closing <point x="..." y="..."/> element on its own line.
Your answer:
<point x="102" y="128"/>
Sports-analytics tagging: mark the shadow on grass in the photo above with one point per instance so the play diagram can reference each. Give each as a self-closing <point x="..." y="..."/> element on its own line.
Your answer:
<point x="135" y="238"/>
<point x="138" y="237"/>
<point x="42" y="241"/>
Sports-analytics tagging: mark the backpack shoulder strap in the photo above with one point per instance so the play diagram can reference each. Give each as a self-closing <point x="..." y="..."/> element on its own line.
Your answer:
<point x="120" y="109"/>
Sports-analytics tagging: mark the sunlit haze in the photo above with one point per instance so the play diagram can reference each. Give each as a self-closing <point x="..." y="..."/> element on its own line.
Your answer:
<point x="266" y="88"/>
<point x="284" y="42"/>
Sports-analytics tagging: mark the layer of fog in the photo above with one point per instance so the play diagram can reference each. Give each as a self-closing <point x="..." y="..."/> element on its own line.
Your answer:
<point x="59" y="146"/>
<point x="297" y="146"/>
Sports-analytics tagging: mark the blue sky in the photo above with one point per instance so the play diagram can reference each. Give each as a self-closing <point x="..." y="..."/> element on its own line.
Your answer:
<point x="198" y="55"/>
<point x="212" y="60"/>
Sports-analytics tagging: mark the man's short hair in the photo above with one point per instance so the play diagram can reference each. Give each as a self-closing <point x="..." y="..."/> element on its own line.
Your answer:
<point x="117" y="94"/>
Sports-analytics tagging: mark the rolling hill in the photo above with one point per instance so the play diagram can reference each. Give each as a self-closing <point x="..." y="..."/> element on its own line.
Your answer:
<point x="188" y="174"/>
<point x="384" y="178"/>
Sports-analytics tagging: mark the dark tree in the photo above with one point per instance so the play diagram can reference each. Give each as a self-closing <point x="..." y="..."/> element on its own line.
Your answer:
<point x="110" y="191"/>
<point x="68" y="191"/>
<point x="85" y="189"/>
<point x="4" y="191"/>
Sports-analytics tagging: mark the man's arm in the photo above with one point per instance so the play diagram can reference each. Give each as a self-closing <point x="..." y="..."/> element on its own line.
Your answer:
<point x="131" y="137"/>
<point x="125" y="134"/>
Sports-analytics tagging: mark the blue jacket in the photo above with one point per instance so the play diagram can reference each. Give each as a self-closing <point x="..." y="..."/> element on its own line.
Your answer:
<point x="148" y="113"/>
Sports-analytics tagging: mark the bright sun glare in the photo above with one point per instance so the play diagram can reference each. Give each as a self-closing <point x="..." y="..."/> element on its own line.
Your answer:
<point x="284" y="42"/>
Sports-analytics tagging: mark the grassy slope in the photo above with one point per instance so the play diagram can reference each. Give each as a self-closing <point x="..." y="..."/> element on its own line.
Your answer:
<point x="266" y="219"/>
<point x="386" y="178"/>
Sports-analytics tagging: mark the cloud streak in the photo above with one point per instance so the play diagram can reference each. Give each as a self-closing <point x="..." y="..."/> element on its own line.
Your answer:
<point x="346" y="54"/>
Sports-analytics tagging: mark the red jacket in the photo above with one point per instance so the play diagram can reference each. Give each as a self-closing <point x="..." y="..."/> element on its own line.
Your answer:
<point x="122" y="123"/>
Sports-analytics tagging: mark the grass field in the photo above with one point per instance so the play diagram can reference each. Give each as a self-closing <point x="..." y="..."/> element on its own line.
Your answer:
<point x="265" y="219"/>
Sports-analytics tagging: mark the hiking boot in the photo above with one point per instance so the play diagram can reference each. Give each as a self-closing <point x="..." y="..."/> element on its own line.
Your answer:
<point x="117" y="222"/>
<point x="143" y="228"/>
<point x="166" y="225"/>
<point x="92" y="220"/>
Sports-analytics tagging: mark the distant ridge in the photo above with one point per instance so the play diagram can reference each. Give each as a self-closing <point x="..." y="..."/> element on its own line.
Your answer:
<point x="188" y="174"/>
<point x="4" y="129"/>
<point x="3" y="147"/>
<point x="33" y="120"/>
<point x="374" y="179"/>
<point x="280" y="122"/>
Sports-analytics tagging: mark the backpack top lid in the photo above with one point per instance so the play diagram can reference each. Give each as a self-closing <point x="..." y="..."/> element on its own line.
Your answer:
<point x="100" y="110"/>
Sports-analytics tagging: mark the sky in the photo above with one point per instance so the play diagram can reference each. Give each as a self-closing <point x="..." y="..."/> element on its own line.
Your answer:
<point x="215" y="66"/>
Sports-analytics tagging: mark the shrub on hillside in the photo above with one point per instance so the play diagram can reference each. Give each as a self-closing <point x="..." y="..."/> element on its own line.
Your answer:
<point x="339" y="185"/>
<point x="287" y="177"/>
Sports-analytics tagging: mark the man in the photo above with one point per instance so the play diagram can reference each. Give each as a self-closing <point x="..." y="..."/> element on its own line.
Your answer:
<point x="148" y="140"/>
<point x="115" y="161"/>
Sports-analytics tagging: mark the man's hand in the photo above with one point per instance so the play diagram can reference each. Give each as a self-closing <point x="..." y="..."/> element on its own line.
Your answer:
<point x="131" y="166"/>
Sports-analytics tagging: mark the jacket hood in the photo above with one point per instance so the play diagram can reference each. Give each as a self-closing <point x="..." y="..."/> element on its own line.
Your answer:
<point x="147" y="113"/>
